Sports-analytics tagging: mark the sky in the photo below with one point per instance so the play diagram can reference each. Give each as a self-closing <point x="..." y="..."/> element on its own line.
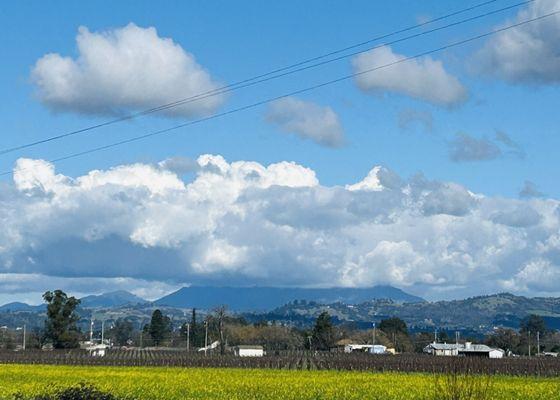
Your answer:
<point x="436" y="174"/>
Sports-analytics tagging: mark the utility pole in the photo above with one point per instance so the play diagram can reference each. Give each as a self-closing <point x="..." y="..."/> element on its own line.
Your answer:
<point x="538" y="343"/>
<point x="188" y="336"/>
<point x="102" y="331"/>
<point x="435" y="335"/>
<point x="22" y="329"/>
<point x="457" y="338"/>
<point x="91" y="332"/>
<point x="529" y="342"/>
<point x="206" y="338"/>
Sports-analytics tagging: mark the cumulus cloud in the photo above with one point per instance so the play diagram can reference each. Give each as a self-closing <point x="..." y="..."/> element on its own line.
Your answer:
<point x="425" y="78"/>
<point x="307" y="120"/>
<point x="464" y="147"/>
<point x="526" y="54"/>
<point x="244" y="223"/>
<point x="123" y="70"/>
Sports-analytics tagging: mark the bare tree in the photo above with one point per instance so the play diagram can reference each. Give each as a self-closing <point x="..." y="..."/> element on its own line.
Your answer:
<point x="220" y="314"/>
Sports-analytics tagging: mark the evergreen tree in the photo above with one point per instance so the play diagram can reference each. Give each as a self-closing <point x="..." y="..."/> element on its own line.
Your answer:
<point x="194" y="330"/>
<point x="322" y="337"/>
<point x="60" y="325"/>
<point x="160" y="327"/>
<point x="393" y="326"/>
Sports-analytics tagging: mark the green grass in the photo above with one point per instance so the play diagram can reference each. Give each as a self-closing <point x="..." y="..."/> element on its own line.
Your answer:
<point x="243" y="384"/>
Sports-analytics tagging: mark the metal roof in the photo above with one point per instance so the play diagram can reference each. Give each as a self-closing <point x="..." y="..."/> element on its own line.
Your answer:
<point x="471" y="348"/>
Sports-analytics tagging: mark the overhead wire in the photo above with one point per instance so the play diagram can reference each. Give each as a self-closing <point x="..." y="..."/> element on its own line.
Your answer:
<point x="300" y="91"/>
<point x="281" y="72"/>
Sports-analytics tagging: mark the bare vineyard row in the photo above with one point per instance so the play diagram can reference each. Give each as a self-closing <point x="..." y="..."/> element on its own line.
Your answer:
<point x="294" y="360"/>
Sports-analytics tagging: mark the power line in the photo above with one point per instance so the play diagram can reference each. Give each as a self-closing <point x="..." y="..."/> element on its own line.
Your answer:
<point x="300" y="91"/>
<point x="281" y="72"/>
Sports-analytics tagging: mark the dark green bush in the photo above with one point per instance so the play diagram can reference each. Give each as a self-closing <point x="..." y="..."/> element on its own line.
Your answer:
<point x="79" y="392"/>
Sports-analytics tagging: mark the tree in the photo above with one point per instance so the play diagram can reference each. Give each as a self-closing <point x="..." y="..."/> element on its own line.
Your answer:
<point x="502" y="338"/>
<point x="60" y="325"/>
<point x="159" y="328"/>
<point x="322" y="336"/>
<point x="195" y="337"/>
<point x="393" y="325"/>
<point x="122" y="332"/>
<point x="397" y="331"/>
<point x="533" y="323"/>
<point x="220" y="314"/>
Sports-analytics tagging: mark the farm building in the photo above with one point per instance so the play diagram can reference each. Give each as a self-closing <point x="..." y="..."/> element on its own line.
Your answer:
<point x="467" y="350"/>
<point x="97" y="350"/>
<point x="378" y="349"/>
<point x="357" y="348"/>
<point x="366" y="348"/>
<point x="249" y="351"/>
<point x="479" y="350"/>
<point x="442" y="349"/>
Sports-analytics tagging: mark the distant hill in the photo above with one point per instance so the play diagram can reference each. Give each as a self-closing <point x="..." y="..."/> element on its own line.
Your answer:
<point x="482" y="312"/>
<point x="268" y="298"/>
<point x="111" y="299"/>
<point x="18" y="306"/>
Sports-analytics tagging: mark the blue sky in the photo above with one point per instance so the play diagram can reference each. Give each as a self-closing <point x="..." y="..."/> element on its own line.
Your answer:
<point x="234" y="41"/>
<point x="454" y="140"/>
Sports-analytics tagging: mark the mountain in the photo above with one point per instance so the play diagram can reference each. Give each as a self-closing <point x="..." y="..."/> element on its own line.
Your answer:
<point x="268" y="298"/>
<point x="482" y="312"/>
<point x="112" y="299"/>
<point x="17" y="306"/>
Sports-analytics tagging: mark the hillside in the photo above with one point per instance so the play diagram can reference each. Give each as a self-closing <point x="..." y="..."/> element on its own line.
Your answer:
<point x="111" y="299"/>
<point x="483" y="312"/>
<point x="267" y="298"/>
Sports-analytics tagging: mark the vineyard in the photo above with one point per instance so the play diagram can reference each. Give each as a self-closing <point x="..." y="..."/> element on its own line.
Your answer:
<point x="536" y="366"/>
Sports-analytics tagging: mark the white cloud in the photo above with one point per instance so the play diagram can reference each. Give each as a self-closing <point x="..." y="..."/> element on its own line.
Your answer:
<point x="526" y="54"/>
<point x="307" y="120"/>
<point x="425" y="78"/>
<point x="243" y="223"/>
<point x="123" y="70"/>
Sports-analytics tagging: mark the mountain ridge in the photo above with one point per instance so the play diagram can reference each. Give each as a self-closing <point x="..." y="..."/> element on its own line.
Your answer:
<point x="267" y="298"/>
<point x="110" y="299"/>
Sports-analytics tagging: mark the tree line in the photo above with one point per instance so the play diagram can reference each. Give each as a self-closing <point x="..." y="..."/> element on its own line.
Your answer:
<point x="61" y="331"/>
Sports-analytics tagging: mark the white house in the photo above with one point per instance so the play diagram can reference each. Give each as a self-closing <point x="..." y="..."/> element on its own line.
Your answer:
<point x="249" y="351"/>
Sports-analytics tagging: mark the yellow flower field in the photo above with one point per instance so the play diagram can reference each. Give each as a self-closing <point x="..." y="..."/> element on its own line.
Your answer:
<point x="243" y="384"/>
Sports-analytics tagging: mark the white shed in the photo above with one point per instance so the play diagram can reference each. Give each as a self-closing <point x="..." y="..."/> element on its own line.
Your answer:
<point x="97" y="350"/>
<point x="249" y="351"/>
<point x="378" y="349"/>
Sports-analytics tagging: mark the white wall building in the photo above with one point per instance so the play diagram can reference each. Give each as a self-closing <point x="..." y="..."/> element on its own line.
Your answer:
<point x="249" y="351"/>
<point x="467" y="350"/>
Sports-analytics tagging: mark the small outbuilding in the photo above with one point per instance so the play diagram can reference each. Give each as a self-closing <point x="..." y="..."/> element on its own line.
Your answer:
<point x="98" y="350"/>
<point x="249" y="351"/>
<point x="378" y="349"/>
